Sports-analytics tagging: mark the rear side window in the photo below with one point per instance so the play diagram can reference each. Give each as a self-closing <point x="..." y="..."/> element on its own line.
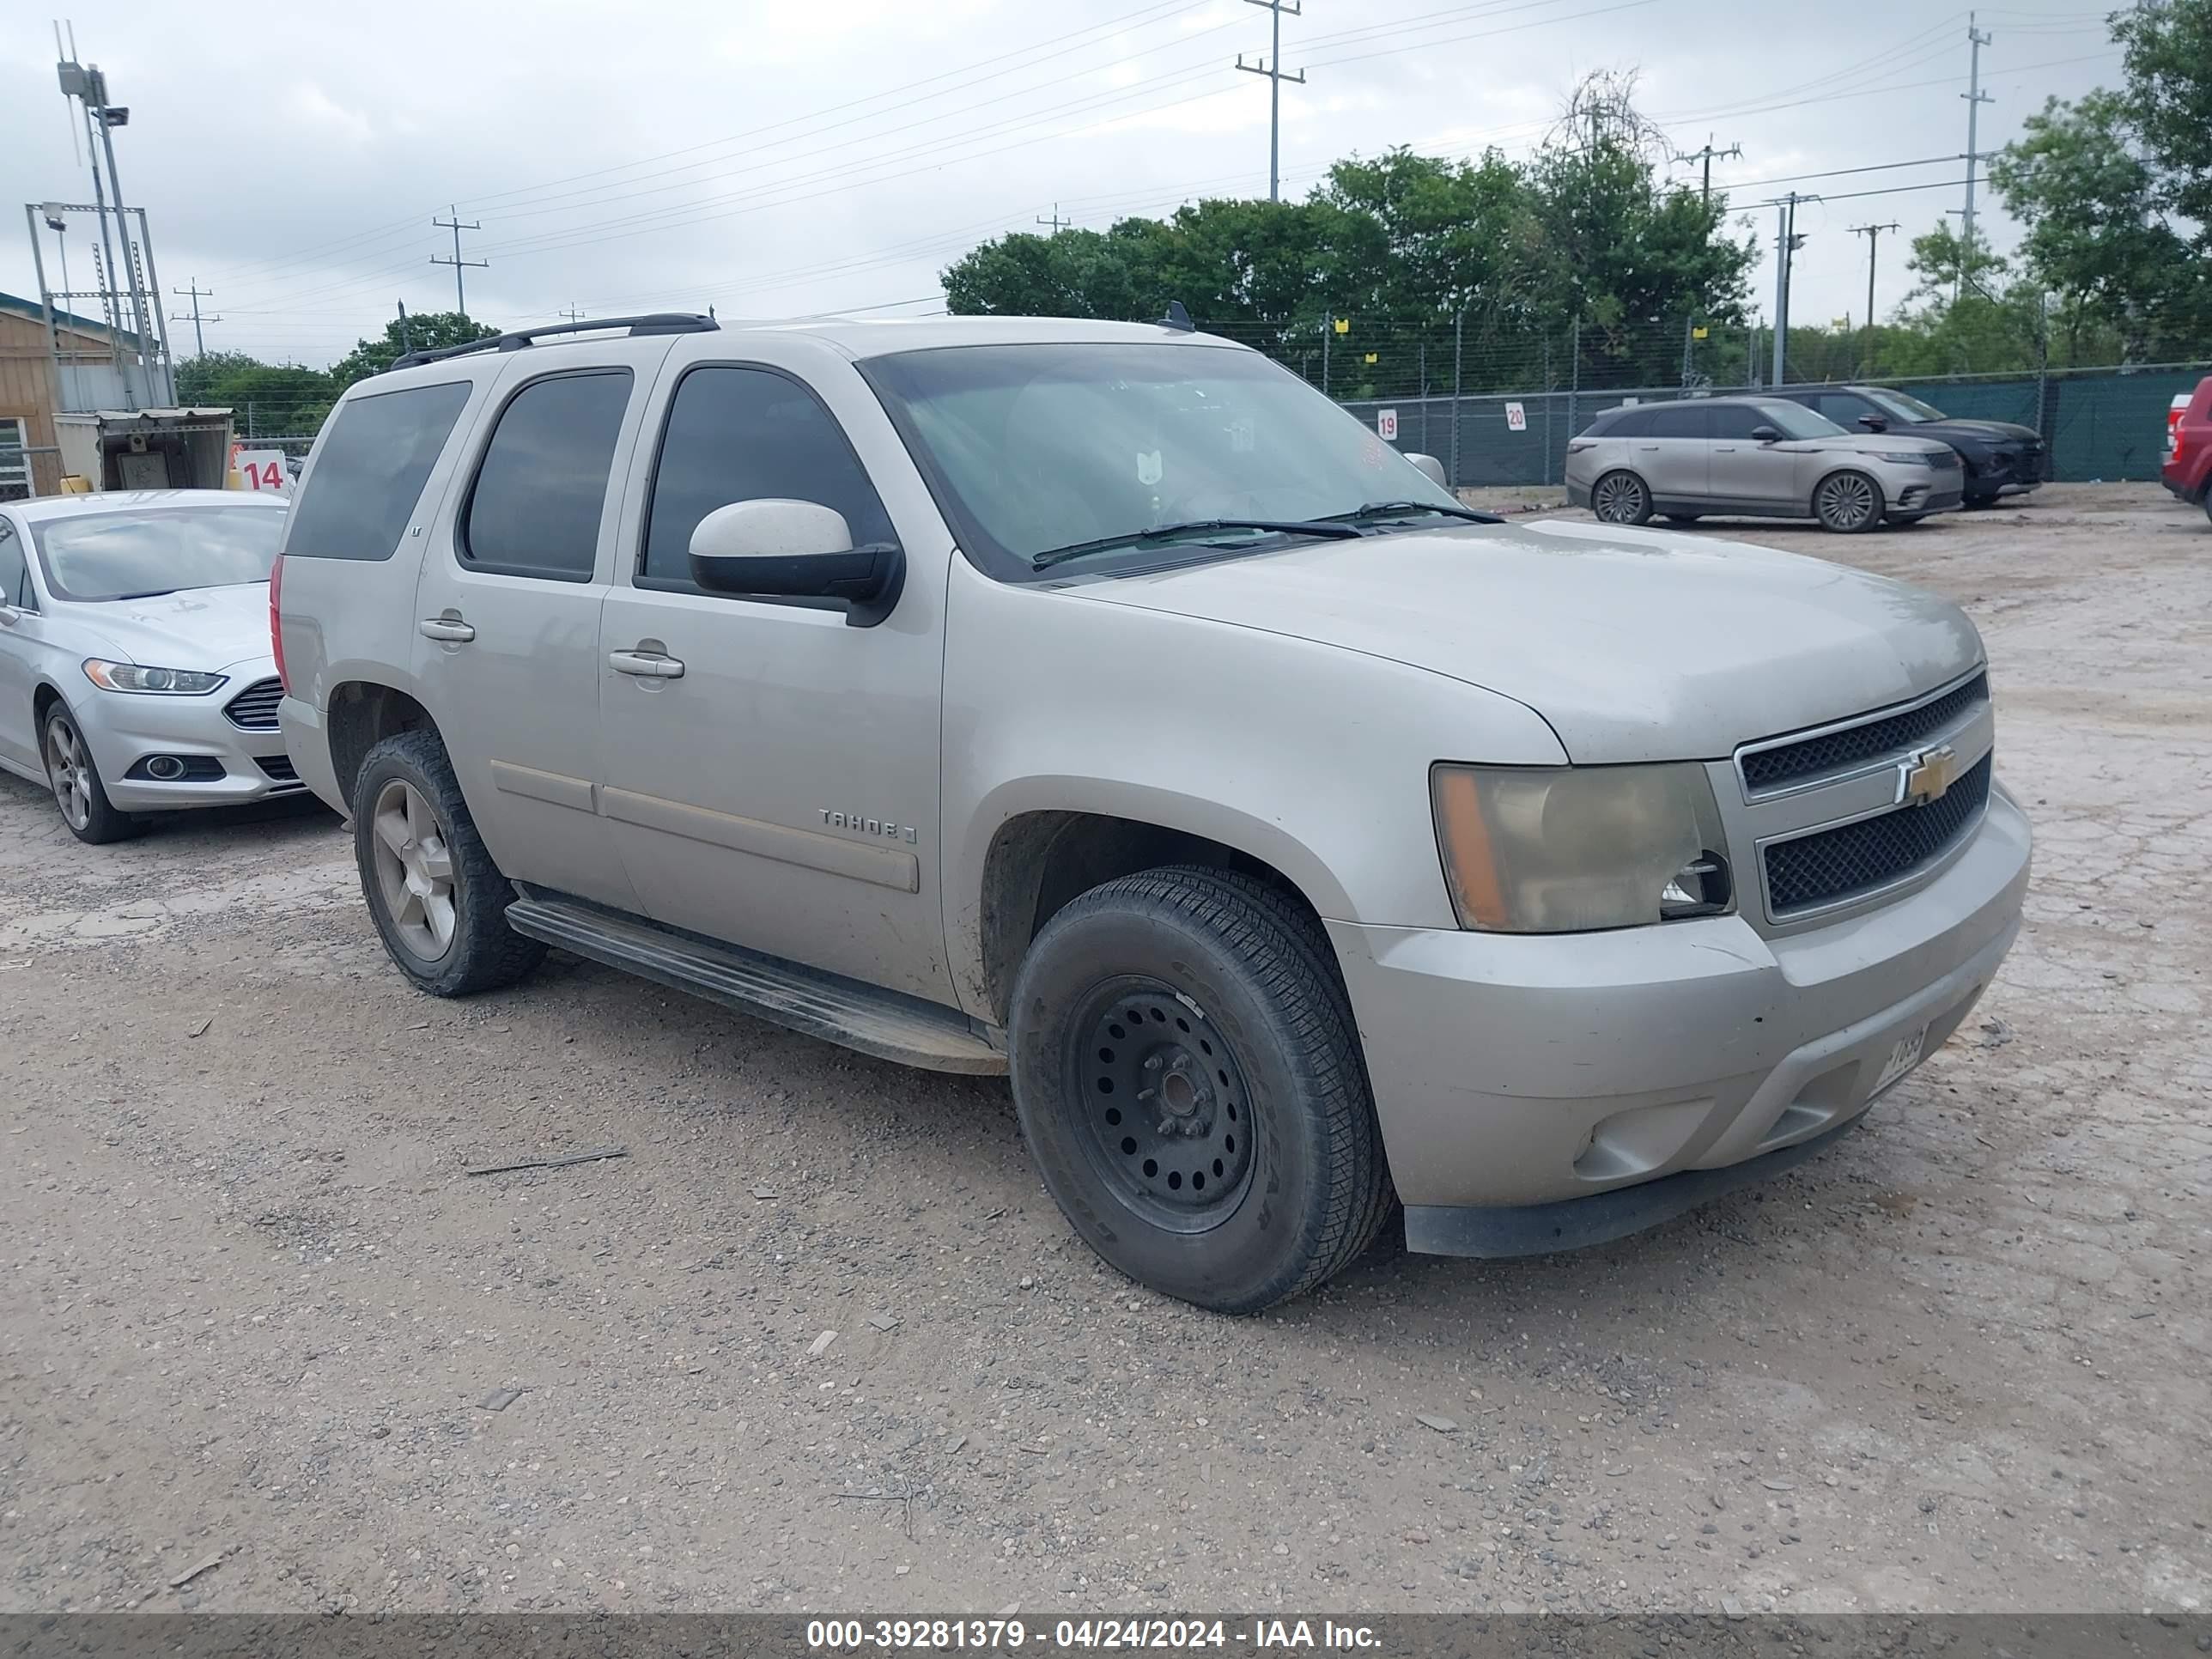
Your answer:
<point x="371" y="472"/>
<point x="535" y="507"/>
<point x="1679" y="421"/>
<point x="1624" y="422"/>
<point x="741" y="435"/>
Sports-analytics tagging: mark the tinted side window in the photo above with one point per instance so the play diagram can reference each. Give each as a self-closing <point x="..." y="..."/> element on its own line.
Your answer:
<point x="1679" y="421"/>
<point x="1623" y="423"/>
<point x="1843" y="408"/>
<point x="374" y="462"/>
<point x="534" y="509"/>
<point x="740" y="435"/>
<point x="15" y="576"/>
<point x="1734" y="422"/>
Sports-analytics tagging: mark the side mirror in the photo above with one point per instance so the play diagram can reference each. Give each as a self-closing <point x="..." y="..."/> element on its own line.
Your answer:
<point x="1766" y="434"/>
<point x="1874" y="422"/>
<point x="1431" y="468"/>
<point x="785" y="549"/>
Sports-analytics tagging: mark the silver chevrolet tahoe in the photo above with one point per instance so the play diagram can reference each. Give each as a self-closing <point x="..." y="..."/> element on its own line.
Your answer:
<point x="1100" y="704"/>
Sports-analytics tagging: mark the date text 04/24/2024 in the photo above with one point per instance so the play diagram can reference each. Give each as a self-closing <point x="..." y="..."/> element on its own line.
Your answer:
<point x="1086" y="1634"/>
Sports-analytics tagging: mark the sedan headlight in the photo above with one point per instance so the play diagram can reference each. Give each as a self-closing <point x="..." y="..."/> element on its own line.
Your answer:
<point x="1564" y="849"/>
<point x="137" y="676"/>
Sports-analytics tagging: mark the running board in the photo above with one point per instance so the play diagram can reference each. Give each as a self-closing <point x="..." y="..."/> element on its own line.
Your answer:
<point x="884" y="1024"/>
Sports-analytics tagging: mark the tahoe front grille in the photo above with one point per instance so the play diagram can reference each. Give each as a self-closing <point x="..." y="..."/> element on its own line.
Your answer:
<point x="1832" y="751"/>
<point x="1831" y="866"/>
<point x="254" y="709"/>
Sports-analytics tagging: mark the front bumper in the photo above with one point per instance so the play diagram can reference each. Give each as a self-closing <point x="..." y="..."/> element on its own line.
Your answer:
<point x="1510" y="1072"/>
<point x="125" y="729"/>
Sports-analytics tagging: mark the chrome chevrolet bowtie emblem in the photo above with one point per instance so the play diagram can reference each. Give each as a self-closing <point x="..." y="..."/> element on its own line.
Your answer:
<point x="1927" y="775"/>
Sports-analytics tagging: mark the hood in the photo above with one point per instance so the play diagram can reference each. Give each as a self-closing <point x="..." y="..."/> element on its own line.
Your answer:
<point x="204" y="628"/>
<point x="1634" y="644"/>
<point x="1988" y="432"/>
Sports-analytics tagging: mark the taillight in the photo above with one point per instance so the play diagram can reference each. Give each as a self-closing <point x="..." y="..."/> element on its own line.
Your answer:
<point x="275" y="623"/>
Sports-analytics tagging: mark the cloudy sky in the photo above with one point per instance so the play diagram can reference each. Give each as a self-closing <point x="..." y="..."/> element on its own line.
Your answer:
<point x="794" y="158"/>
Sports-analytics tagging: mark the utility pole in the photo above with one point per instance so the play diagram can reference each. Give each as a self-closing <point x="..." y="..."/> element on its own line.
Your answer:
<point x="1787" y="241"/>
<point x="1975" y="97"/>
<point x="1707" y="155"/>
<point x="406" y="339"/>
<point x="1873" y="233"/>
<point x="454" y="224"/>
<point x="1271" y="67"/>
<point x="200" y="341"/>
<point x="1057" y="223"/>
<point x="572" y="314"/>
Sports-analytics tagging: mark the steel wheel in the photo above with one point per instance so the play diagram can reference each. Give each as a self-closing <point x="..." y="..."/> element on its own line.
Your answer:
<point x="1621" y="498"/>
<point x="414" y="869"/>
<point x="69" y="769"/>
<point x="1165" y="1114"/>
<point x="1847" y="501"/>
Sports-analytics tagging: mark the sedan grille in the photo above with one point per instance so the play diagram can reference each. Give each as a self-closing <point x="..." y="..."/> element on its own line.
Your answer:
<point x="278" y="768"/>
<point x="1832" y="751"/>
<point x="254" y="709"/>
<point x="1853" y="858"/>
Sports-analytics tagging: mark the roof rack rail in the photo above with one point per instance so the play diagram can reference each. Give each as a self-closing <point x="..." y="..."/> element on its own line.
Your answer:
<point x="654" y="322"/>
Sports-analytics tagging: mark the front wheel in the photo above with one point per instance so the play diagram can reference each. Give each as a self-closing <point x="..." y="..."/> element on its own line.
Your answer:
<point x="74" y="776"/>
<point x="436" y="897"/>
<point x="1847" y="503"/>
<point x="1189" y="1081"/>
<point x="1620" y="498"/>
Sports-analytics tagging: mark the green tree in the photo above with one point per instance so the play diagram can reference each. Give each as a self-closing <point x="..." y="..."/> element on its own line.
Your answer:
<point x="2167" y="59"/>
<point x="2095" y="238"/>
<point x="198" y="378"/>
<point x="427" y="330"/>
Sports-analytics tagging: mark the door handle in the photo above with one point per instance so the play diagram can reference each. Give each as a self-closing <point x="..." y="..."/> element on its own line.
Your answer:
<point x="452" y="629"/>
<point x="644" y="664"/>
<point x="1724" y="449"/>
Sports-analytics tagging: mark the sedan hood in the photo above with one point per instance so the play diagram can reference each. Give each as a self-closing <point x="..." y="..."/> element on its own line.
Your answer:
<point x="1634" y="645"/>
<point x="202" y="627"/>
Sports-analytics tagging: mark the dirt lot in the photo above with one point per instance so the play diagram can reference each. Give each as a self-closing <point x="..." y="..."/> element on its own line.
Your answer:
<point x="252" y="1308"/>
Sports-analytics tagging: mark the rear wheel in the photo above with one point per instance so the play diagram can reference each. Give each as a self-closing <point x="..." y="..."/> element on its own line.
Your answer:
<point x="1847" y="502"/>
<point x="1976" y="504"/>
<point x="74" y="776"/>
<point x="1189" y="1081"/>
<point x="436" y="897"/>
<point x="1620" y="498"/>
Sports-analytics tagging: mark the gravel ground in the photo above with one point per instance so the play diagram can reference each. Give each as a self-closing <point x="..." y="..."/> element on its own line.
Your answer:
<point x="254" y="1312"/>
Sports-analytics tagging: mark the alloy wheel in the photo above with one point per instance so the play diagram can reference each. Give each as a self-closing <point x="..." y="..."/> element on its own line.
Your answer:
<point x="1619" y="499"/>
<point x="1847" y="502"/>
<point x="414" y="870"/>
<point x="69" y="769"/>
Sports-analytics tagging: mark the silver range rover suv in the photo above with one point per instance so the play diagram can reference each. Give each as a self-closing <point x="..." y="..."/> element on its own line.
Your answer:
<point x="1099" y="704"/>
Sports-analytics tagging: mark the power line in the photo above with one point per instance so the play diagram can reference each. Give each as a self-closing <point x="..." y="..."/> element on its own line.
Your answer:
<point x="199" y="340"/>
<point x="454" y="224"/>
<point x="1271" y="67"/>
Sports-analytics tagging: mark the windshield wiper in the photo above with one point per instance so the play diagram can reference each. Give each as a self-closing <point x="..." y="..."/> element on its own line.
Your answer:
<point x="1406" y="509"/>
<point x="1332" y="529"/>
<point x="150" y="593"/>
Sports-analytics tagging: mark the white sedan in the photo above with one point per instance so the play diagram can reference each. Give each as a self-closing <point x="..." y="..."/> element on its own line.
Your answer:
<point x="135" y="668"/>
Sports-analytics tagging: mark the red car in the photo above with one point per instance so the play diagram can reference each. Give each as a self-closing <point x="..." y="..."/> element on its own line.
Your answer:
<point x="2188" y="469"/>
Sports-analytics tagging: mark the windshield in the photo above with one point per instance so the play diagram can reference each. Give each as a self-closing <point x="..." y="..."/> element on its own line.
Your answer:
<point x="1795" y="421"/>
<point x="134" y="554"/>
<point x="1033" y="448"/>
<point x="1902" y="407"/>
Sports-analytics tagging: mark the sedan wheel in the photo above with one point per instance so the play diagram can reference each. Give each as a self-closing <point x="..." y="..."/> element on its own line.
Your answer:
<point x="414" y="870"/>
<point x="1621" y="498"/>
<point x="1847" y="502"/>
<point x="74" y="778"/>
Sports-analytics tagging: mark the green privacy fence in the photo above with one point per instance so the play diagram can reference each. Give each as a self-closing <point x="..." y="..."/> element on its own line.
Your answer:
<point x="2107" y="424"/>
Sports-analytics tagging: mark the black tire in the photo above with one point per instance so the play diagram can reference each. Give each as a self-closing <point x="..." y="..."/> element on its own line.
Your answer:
<point x="483" y="953"/>
<point x="1681" y="518"/>
<point x="1848" y="502"/>
<point x="1621" y="497"/>
<point x="1981" y="503"/>
<point x="74" y="777"/>
<point x="1906" y="520"/>
<point x="2208" y="505"/>
<point x="1249" y="976"/>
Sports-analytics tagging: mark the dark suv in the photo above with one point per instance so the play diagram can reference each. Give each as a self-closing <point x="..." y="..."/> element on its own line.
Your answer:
<point x="2001" y="458"/>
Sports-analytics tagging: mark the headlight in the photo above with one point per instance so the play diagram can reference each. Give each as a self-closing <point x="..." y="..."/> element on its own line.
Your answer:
<point x="136" y="677"/>
<point x="1565" y="848"/>
<point x="1902" y="457"/>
